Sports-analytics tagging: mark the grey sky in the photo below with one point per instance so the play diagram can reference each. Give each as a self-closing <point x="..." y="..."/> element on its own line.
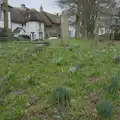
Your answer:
<point x="48" y="5"/>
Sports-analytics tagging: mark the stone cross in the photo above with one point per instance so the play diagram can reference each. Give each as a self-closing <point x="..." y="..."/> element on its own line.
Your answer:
<point x="1" y="2"/>
<point x="64" y="29"/>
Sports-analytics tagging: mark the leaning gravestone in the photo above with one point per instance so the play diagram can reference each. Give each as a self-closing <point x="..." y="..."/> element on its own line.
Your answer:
<point x="64" y="29"/>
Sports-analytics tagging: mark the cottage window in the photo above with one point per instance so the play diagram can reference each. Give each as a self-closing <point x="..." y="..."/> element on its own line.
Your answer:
<point x="102" y="31"/>
<point x="107" y="22"/>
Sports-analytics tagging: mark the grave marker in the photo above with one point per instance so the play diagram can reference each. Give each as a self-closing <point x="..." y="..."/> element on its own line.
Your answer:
<point x="64" y="29"/>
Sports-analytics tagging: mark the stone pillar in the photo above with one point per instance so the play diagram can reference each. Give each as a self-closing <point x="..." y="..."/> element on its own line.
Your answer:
<point x="64" y="29"/>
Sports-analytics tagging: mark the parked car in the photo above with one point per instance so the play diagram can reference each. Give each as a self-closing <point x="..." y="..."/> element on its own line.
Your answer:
<point x="23" y="37"/>
<point x="52" y="38"/>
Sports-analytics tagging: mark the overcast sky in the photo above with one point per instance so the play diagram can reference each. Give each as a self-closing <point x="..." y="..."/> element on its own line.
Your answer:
<point x="48" y="5"/>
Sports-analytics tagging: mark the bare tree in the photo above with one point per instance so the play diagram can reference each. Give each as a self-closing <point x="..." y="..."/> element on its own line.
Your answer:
<point x="72" y="7"/>
<point x="86" y="12"/>
<point x="83" y="10"/>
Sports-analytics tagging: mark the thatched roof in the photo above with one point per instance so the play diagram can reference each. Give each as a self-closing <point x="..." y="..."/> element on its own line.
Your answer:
<point x="45" y="18"/>
<point x="49" y="18"/>
<point x="55" y="19"/>
<point x="16" y="16"/>
<point x="35" y="16"/>
<point x="21" y="15"/>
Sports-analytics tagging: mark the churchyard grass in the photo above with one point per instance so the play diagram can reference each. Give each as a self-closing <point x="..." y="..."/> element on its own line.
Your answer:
<point x="28" y="75"/>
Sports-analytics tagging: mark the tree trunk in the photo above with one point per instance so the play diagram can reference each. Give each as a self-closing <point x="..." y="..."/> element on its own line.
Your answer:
<point x="96" y="38"/>
<point x="5" y="5"/>
<point x="112" y="36"/>
<point x="85" y="18"/>
<point x="77" y="32"/>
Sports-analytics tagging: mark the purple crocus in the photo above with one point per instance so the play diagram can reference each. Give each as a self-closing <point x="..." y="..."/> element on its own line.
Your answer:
<point x="117" y="58"/>
<point x="4" y="79"/>
<point x="32" y="99"/>
<point x="78" y="52"/>
<point x="19" y="92"/>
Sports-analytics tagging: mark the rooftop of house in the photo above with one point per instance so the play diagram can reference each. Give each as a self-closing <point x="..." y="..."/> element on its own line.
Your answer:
<point x="55" y="19"/>
<point x="45" y="19"/>
<point x="21" y="14"/>
<point x="16" y="16"/>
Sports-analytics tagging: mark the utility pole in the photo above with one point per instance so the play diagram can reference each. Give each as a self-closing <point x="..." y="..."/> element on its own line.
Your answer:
<point x="5" y="10"/>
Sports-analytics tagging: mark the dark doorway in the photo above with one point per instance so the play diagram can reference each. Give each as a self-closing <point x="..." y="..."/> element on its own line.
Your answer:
<point x="40" y="35"/>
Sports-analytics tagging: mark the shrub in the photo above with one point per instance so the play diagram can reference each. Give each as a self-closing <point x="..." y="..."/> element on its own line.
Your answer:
<point x="115" y="83"/>
<point x="60" y="96"/>
<point x="70" y="48"/>
<point x="104" y="109"/>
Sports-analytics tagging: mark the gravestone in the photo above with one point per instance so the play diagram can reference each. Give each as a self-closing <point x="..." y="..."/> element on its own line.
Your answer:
<point x="64" y="29"/>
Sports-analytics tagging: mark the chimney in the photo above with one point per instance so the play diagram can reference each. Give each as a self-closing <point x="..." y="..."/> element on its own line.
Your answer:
<point x="22" y="5"/>
<point x="41" y="8"/>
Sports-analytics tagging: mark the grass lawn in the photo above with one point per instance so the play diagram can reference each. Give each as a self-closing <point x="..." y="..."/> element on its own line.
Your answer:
<point x="28" y="75"/>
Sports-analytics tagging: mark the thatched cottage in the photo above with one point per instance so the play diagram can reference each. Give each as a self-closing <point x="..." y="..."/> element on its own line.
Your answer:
<point x="38" y="24"/>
